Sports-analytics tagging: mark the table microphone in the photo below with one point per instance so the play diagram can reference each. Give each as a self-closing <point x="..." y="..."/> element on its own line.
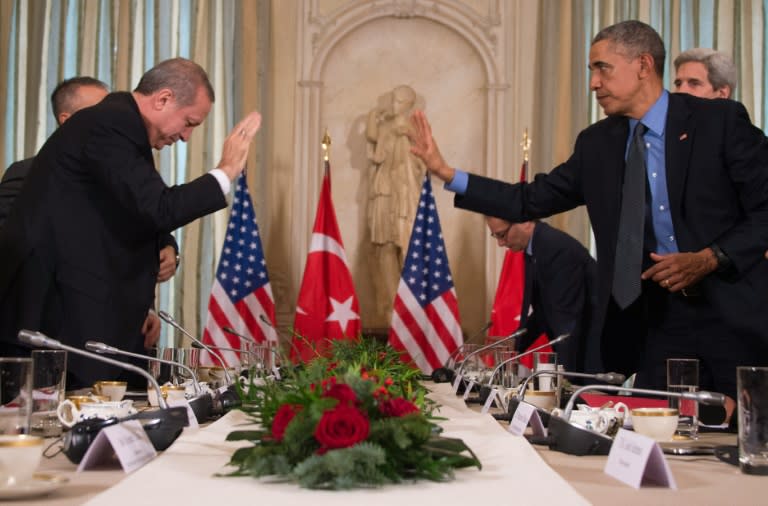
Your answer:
<point x="558" y="339"/>
<point x="263" y="344"/>
<point x="513" y="335"/>
<point x="161" y="426"/>
<point x="201" y="404"/>
<point x="566" y="437"/>
<point x="103" y="348"/>
<point x="173" y="323"/>
<point x="445" y="374"/>
<point x="608" y="377"/>
<point x="485" y="390"/>
<point x="40" y="340"/>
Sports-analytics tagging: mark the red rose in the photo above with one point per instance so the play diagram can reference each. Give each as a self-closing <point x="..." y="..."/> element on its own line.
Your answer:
<point x="341" y="427"/>
<point x="397" y="407"/>
<point x="283" y="417"/>
<point x="341" y="392"/>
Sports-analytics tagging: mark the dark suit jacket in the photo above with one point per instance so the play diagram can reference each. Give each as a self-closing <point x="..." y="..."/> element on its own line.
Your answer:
<point x="13" y="181"/>
<point x="80" y="248"/>
<point x="10" y="186"/>
<point x="560" y="286"/>
<point x="717" y="177"/>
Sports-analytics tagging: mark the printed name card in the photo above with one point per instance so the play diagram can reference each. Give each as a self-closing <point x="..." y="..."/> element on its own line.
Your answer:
<point x="635" y="459"/>
<point x="468" y="389"/>
<point x="492" y="397"/>
<point x="526" y="414"/>
<point x="126" y="440"/>
<point x="456" y="383"/>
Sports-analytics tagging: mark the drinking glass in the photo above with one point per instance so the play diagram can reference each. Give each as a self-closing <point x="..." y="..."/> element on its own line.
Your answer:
<point x="15" y="395"/>
<point x="683" y="376"/>
<point x="48" y="390"/>
<point x="545" y="361"/>
<point x="752" y="391"/>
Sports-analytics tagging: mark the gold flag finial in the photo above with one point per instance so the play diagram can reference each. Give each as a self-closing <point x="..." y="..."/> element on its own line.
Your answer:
<point x="526" y="144"/>
<point x="326" y="144"/>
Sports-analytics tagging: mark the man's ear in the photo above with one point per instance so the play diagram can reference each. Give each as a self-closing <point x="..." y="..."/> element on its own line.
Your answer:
<point x="724" y="91"/>
<point x="646" y="65"/>
<point x="62" y="117"/>
<point x="162" y="98"/>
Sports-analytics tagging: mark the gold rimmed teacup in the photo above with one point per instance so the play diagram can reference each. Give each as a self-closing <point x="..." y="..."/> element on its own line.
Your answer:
<point x="19" y="457"/>
<point x="657" y="423"/>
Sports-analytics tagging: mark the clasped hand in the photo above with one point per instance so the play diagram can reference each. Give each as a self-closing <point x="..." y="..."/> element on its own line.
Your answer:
<point x="676" y="271"/>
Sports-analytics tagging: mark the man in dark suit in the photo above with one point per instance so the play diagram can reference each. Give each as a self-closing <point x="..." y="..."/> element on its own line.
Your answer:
<point x="79" y="248"/>
<point x="559" y="293"/>
<point x="687" y="279"/>
<point x="67" y="98"/>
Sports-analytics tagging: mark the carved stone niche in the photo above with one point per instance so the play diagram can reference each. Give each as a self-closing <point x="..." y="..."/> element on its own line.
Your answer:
<point x="351" y="53"/>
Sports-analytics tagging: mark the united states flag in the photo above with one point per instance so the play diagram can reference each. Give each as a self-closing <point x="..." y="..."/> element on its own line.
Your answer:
<point x="425" y="317"/>
<point x="241" y="292"/>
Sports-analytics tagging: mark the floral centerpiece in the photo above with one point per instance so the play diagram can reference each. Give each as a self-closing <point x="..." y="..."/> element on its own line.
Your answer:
<point x="357" y="419"/>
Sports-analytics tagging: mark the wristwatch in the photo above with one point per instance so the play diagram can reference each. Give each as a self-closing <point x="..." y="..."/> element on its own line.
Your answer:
<point x="723" y="262"/>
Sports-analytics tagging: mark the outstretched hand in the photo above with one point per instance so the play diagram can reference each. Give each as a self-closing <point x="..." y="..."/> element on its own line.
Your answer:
<point x="424" y="147"/>
<point x="234" y="153"/>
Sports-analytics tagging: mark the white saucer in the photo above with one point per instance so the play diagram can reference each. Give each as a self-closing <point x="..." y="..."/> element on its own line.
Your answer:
<point x="41" y="484"/>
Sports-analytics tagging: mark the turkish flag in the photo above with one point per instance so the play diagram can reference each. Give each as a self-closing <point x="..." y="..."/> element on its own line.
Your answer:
<point x="327" y="308"/>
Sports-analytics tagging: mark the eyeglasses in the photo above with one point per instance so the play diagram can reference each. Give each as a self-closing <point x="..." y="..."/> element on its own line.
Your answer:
<point x="502" y="234"/>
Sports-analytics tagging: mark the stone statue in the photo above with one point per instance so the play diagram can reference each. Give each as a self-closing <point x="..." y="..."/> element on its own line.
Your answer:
<point x="396" y="181"/>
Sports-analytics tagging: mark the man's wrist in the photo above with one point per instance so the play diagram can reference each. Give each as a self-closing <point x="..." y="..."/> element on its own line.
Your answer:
<point x="722" y="262"/>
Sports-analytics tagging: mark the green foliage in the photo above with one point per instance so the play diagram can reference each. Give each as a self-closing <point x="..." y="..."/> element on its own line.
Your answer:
<point x="403" y="440"/>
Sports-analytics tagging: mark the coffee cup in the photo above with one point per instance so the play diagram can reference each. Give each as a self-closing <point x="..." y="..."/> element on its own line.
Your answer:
<point x="69" y="414"/>
<point x="115" y="390"/>
<point x="77" y="400"/>
<point x="543" y="399"/>
<point x="169" y="393"/>
<point x="19" y="457"/>
<point x="657" y="423"/>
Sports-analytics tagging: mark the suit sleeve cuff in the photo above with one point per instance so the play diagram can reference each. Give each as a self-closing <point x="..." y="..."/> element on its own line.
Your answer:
<point x="222" y="179"/>
<point x="459" y="182"/>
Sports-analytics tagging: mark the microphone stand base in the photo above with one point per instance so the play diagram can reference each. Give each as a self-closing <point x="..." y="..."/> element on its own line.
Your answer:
<point x="574" y="440"/>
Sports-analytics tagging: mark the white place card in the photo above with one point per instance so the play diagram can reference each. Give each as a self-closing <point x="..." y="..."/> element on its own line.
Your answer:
<point x="468" y="389"/>
<point x="127" y="441"/>
<point x="493" y="396"/>
<point x="526" y="414"/>
<point x="635" y="459"/>
<point x="456" y="383"/>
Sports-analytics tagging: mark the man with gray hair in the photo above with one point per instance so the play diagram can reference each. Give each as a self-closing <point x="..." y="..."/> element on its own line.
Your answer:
<point x="79" y="250"/>
<point x="705" y="73"/>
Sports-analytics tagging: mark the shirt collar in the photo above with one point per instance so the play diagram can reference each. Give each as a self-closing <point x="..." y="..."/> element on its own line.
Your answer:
<point x="656" y="117"/>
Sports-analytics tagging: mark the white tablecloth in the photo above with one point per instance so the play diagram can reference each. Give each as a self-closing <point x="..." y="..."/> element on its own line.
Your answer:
<point x="513" y="472"/>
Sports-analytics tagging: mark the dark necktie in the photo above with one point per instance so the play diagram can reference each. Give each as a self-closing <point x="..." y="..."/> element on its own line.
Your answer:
<point x="629" y="248"/>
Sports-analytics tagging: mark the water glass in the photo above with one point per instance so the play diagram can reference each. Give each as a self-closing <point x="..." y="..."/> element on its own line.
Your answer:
<point x="48" y="390"/>
<point x="683" y="376"/>
<point x="545" y="361"/>
<point x="507" y="376"/>
<point x="15" y="395"/>
<point x="752" y="391"/>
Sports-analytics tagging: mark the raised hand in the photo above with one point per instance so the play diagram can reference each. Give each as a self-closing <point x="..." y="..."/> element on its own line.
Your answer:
<point x="234" y="153"/>
<point x="423" y="146"/>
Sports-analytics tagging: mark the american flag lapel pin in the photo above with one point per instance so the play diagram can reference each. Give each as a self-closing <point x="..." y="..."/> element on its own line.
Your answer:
<point x="683" y="136"/>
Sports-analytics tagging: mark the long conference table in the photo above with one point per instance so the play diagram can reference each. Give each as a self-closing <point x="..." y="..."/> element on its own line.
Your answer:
<point x="514" y="472"/>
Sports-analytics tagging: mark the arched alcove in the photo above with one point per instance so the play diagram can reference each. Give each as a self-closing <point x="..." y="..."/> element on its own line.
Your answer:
<point x="348" y="59"/>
